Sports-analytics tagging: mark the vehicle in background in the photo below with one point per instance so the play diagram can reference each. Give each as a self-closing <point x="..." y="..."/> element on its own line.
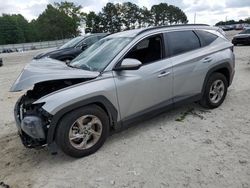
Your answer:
<point x="227" y="27"/>
<point x="120" y="79"/>
<point x="239" y="27"/>
<point x="242" y="38"/>
<point x="7" y="50"/>
<point x="72" y="48"/>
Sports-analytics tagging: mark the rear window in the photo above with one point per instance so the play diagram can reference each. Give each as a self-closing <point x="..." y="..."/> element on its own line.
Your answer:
<point x="182" y="41"/>
<point x="206" y="37"/>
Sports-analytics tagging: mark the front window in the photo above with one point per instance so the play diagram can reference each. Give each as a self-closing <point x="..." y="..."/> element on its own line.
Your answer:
<point x="72" y="43"/>
<point x="100" y="54"/>
<point x="148" y="50"/>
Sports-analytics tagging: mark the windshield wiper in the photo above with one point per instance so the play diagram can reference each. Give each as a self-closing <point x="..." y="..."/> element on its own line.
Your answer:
<point x="84" y="67"/>
<point x="69" y="65"/>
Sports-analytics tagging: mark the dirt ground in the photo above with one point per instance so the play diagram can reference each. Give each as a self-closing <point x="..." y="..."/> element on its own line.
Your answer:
<point x="185" y="147"/>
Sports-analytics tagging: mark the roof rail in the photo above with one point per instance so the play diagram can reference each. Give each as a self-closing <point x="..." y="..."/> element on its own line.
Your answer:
<point x="169" y="26"/>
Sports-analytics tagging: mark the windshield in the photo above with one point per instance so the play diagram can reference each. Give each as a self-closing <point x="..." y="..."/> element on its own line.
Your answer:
<point x="246" y="31"/>
<point x="72" y="43"/>
<point x="99" y="55"/>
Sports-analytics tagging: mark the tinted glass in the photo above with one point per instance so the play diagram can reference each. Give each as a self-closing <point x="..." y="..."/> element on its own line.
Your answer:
<point x="182" y="41"/>
<point x="206" y="37"/>
<point x="88" y="41"/>
<point x="148" y="50"/>
<point x="72" y="43"/>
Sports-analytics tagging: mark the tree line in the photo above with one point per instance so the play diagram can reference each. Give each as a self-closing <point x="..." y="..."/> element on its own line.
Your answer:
<point x="62" y="20"/>
<point x="125" y="16"/>
<point x="230" y="22"/>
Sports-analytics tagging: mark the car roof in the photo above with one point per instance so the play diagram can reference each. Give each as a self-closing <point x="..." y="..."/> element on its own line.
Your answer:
<point x="134" y="32"/>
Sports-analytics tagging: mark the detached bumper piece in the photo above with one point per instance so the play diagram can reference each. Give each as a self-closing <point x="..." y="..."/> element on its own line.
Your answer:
<point x="30" y="129"/>
<point x="31" y="132"/>
<point x="29" y="142"/>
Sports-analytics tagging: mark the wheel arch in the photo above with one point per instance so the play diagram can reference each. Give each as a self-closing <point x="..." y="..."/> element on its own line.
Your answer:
<point x="101" y="101"/>
<point x="223" y="68"/>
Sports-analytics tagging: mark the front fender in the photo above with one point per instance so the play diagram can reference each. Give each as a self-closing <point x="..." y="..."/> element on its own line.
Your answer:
<point x="100" y="90"/>
<point x="99" y="100"/>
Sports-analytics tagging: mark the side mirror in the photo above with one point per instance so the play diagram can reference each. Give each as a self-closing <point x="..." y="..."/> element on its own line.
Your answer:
<point x="129" y="64"/>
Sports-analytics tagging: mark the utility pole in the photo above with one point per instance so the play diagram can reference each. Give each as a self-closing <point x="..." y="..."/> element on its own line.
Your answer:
<point x="194" y="17"/>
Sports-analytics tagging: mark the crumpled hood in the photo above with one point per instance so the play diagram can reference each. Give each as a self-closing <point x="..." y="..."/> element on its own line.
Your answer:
<point x="48" y="53"/>
<point x="45" y="70"/>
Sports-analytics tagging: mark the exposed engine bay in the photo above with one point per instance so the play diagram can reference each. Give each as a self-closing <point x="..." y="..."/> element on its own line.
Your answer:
<point x="43" y="88"/>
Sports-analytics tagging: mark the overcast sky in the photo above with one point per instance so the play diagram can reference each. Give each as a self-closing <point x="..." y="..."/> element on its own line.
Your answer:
<point x="207" y="11"/>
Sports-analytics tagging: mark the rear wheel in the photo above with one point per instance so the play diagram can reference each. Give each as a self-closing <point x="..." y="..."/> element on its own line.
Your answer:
<point x="215" y="91"/>
<point x="82" y="131"/>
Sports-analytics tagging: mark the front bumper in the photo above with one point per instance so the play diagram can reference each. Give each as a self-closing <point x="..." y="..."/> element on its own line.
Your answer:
<point x="30" y="128"/>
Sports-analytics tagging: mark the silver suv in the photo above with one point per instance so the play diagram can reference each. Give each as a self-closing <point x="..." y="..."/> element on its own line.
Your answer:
<point x="118" y="80"/>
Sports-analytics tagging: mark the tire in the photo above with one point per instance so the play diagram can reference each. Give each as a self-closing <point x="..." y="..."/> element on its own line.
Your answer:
<point x="68" y="126"/>
<point x="209" y="94"/>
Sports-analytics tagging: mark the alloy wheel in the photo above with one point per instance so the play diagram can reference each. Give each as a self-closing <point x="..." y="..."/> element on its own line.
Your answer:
<point x="85" y="132"/>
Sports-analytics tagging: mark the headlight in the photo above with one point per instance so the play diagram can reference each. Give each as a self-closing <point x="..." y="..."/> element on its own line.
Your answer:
<point x="32" y="125"/>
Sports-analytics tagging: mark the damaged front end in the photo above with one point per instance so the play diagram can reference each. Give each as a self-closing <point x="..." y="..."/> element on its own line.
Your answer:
<point x="32" y="120"/>
<point x="31" y="123"/>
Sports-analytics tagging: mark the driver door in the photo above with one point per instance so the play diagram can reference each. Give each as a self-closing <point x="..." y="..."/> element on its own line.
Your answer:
<point x="150" y="86"/>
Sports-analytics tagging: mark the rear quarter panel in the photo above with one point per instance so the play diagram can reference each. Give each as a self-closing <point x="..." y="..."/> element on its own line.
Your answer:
<point x="190" y="70"/>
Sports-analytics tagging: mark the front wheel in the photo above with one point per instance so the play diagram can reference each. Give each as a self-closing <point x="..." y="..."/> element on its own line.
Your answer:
<point x="215" y="91"/>
<point x="82" y="131"/>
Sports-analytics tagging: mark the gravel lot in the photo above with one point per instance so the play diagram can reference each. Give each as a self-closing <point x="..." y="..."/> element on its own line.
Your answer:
<point x="209" y="148"/>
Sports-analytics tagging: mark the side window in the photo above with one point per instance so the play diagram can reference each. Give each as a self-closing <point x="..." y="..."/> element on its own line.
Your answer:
<point x="206" y="37"/>
<point x="148" y="50"/>
<point x="88" y="41"/>
<point x="182" y="41"/>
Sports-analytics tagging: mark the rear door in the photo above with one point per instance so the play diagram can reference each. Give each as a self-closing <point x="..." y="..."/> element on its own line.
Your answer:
<point x="190" y="63"/>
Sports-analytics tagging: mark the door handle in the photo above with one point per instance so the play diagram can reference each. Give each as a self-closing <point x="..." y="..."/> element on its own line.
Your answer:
<point x="207" y="59"/>
<point x="163" y="74"/>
